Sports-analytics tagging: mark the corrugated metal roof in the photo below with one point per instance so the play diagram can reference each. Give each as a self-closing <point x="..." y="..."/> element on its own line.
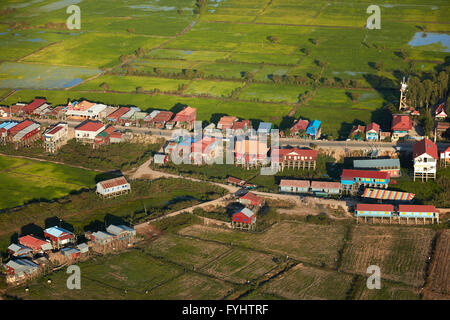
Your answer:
<point x="374" y="207"/>
<point x="113" y="182"/>
<point x="57" y="231"/>
<point x="294" y="183"/>
<point x="416" y="208"/>
<point x="376" y="163"/>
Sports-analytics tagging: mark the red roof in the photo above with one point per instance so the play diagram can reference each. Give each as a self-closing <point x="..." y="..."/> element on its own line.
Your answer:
<point x="31" y="241"/>
<point x="90" y="126"/>
<point x="307" y="154"/>
<point x="425" y="146"/>
<point x="300" y="125"/>
<point x="54" y="130"/>
<point x="253" y="198"/>
<point x="118" y="113"/>
<point x="241" y="125"/>
<point x="163" y="116"/>
<point x="440" y="109"/>
<point x="186" y="115"/>
<point x="109" y="129"/>
<point x="20" y="126"/>
<point x="235" y="180"/>
<point x="36" y="103"/>
<point x="358" y="128"/>
<point x="294" y="183"/>
<point x="350" y="173"/>
<point x="113" y="182"/>
<point x="325" y="185"/>
<point x="401" y="122"/>
<point x="373" y="126"/>
<point x="374" y="207"/>
<point x="416" y="208"/>
<point x="116" y="134"/>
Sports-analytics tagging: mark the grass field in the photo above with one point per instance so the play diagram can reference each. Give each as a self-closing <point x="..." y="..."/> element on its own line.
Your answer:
<point x="304" y="283"/>
<point x="439" y="275"/>
<point x="240" y="265"/>
<point x="26" y="180"/>
<point x="188" y="252"/>
<point x="297" y="240"/>
<point x="401" y="253"/>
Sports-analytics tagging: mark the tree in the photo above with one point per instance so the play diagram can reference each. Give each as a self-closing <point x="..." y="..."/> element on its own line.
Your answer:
<point x="427" y="123"/>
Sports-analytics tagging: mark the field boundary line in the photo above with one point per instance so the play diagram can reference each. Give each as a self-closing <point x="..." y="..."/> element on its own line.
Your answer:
<point x="36" y="51"/>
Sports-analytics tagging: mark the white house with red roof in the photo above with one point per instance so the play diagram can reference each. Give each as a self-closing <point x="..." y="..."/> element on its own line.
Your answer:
<point x="445" y="156"/>
<point x="425" y="157"/>
<point x="88" y="130"/>
<point x="54" y="136"/>
<point x="294" y="186"/>
<point x="401" y="125"/>
<point x="113" y="187"/>
<point x="372" y="132"/>
<point x="294" y="158"/>
<point x="439" y="112"/>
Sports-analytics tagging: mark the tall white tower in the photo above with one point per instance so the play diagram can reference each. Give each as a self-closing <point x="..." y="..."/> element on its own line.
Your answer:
<point x="403" y="89"/>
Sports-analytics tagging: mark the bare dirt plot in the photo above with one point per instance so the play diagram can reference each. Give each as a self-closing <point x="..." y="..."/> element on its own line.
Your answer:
<point x="401" y="253"/>
<point x="241" y="265"/>
<point x="192" y="286"/>
<point x="316" y="244"/>
<point x="185" y="251"/>
<point x="439" y="273"/>
<point x="306" y="283"/>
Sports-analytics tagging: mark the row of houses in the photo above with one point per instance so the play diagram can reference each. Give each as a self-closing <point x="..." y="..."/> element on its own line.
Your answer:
<point x="32" y="253"/>
<point x="311" y="130"/>
<point x="21" y="133"/>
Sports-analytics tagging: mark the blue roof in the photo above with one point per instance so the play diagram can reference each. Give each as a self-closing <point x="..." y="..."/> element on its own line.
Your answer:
<point x="265" y="126"/>
<point x="57" y="231"/>
<point x="313" y="127"/>
<point x="8" y="125"/>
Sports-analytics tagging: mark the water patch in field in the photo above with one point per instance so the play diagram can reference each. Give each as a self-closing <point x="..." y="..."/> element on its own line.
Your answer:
<point x="58" y="5"/>
<point x="149" y="7"/>
<point x="188" y="52"/>
<point x="431" y="38"/>
<point x="392" y="5"/>
<point x="351" y="73"/>
<point x="34" y="40"/>
<point x="33" y="76"/>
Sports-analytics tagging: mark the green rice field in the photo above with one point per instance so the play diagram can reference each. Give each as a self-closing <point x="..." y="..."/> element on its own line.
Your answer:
<point x="228" y="42"/>
<point x="25" y="180"/>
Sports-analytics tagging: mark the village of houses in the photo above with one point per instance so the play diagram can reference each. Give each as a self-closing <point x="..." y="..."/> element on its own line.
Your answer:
<point x="368" y="182"/>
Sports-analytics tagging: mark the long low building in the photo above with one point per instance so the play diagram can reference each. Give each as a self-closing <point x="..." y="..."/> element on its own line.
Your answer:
<point x="417" y="211"/>
<point x="374" y="210"/>
<point x="391" y="166"/>
<point x="113" y="187"/>
<point x="294" y="186"/>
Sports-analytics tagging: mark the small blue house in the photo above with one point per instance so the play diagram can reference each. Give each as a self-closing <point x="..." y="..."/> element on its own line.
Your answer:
<point x="314" y="129"/>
